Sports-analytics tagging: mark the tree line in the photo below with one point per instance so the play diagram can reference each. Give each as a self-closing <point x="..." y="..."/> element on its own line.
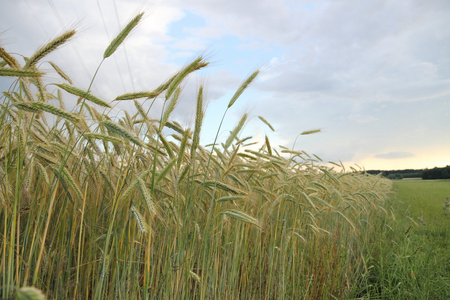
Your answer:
<point x="398" y="174"/>
<point x="437" y="173"/>
<point x="434" y="173"/>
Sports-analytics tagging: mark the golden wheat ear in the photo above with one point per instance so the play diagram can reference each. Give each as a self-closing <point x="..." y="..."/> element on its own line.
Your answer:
<point x="8" y="59"/>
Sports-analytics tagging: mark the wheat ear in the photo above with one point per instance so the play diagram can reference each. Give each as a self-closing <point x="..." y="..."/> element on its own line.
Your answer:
<point x="146" y="195"/>
<point x="11" y="61"/>
<point x="311" y="131"/>
<point x="235" y="131"/>
<point x="19" y="72"/>
<point x="78" y="92"/>
<point x="241" y="216"/>
<point x="269" y="149"/>
<point x="143" y="226"/>
<point x="265" y="122"/>
<point x="46" y="49"/>
<point x="104" y="137"/>
<point x="60" y="72"/>
<point x="170" y="108"/>
<point x="132" y="96"/>
<point x="54" y="110"/>
<point x="198" y="121"/>
<point x="117" y="129"/>
<point x="27" y="107"/>
<point x="122" y="35"/>
<point x="242" y="88"/>
<point x="193" y="66"/>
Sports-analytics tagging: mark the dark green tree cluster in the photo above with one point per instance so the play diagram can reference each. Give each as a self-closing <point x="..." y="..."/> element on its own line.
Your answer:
<point x="395" y="176"/>
<point x="398" y="174"/>
<point x="437" y="173"/>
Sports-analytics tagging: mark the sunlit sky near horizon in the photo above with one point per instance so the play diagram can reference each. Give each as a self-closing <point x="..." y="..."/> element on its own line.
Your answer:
<point x="373" y="75"/>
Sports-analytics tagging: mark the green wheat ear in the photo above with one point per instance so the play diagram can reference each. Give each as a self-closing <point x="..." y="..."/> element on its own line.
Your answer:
<point x="78" y="92"/>
<point x="235" y="131"/>
<point x="29" y="292"/>
<point x="122" y="35"/>
<point x="46" y="49"/>
<point x="117" y="129"/>
<point x="266" y="122"/>
<point x="19" y="72"/>
<point x="242" y="88"/>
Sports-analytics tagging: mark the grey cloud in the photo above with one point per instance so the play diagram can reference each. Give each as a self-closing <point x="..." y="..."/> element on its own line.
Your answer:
<point x="338" y="61"/>
<point x="372" y="51"/>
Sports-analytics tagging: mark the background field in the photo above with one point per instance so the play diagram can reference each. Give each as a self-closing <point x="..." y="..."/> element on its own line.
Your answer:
<point x="412" y="257"/>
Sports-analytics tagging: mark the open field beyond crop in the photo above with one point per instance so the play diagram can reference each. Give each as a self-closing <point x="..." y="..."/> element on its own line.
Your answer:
<point x="94" y="206"/>
<point x="411" y="259"/>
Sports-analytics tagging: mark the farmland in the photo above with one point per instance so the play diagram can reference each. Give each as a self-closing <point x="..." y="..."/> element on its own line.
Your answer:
<point x="132" y="207"/>
<point x="411" y="259"/>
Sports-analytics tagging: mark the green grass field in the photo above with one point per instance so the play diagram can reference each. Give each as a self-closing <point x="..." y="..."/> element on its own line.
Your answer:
<point x="411" y="259"/>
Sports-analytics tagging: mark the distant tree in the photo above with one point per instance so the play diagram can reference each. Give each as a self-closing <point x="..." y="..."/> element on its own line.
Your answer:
<point x="437" y="173"/>
<point x="395" y="176"/>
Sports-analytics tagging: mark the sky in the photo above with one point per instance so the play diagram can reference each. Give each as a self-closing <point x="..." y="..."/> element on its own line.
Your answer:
<point x="374" y="76"/>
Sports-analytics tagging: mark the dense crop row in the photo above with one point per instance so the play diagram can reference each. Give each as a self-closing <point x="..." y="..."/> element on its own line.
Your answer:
<point x="132" y="207"/>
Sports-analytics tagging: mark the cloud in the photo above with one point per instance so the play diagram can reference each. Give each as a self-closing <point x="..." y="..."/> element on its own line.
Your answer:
<point x="370" y="51"/>
<point x="375" y="75"/>
<point x="395" y="155"/>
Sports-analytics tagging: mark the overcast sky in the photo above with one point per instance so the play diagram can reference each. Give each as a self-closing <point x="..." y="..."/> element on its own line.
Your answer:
<point x="373" y="75"/>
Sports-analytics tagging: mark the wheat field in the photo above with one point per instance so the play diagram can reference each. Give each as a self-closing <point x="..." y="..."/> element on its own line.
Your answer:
<point x="94" y="206"/>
